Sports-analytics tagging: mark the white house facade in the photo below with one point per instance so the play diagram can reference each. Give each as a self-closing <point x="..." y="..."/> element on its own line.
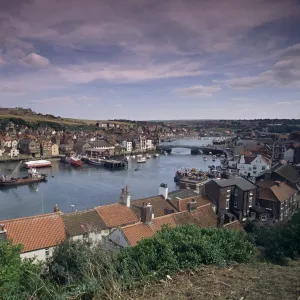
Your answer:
<point x="252" y="166"/>
<point x="127" y="146"/>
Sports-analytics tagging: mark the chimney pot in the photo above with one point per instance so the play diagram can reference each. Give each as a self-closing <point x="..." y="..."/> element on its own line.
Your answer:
<point x="146" y="213"/>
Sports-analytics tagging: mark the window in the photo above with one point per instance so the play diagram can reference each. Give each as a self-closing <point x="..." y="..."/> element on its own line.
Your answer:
<point x="251" y="193"/>
<point x="228" y="191"/>
<point x="235" y="204"/>
<point x="47" y="252"/>
<point x="263" y="217"/>
<point x="254" y="172"/>
<point x="236" y="192"/>
<point x="254" y="167"/>
<point x="281" y="216"/>
<point x="227" y="203"/>
<point x="253" y="215"/>
<point x="250" y="202"/>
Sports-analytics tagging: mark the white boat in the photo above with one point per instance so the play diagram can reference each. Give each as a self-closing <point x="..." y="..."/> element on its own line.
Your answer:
<point x="133" y="156"/>
<point x="95" y="162"/>
<point x="165" y="153"/>
<point x="38" y="164"/>
<point x="205" y="158"/>
<point x="156" y="155"/>
<point x="148" y="156"/>
<point x="141" y="160"/>
<point x="210" y="153"/>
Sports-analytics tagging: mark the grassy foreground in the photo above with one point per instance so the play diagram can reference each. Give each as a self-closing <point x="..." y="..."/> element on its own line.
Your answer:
<point x="243" y="281"/>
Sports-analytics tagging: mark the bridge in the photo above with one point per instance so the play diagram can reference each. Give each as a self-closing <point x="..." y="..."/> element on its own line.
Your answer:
<point x="214" y="149"/>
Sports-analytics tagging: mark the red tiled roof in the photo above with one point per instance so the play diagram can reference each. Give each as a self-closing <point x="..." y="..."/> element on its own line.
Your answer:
<point x="136" y="232"/>
<point x="114" y="215"/>
<point x="181" y="204"/>
<point x="283" y="191"/>
<point x="36" y="232"/>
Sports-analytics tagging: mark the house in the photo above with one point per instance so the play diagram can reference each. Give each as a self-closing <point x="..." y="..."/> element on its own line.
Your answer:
<point x="14" y="143"/>
<point x="8" y="142"/>
<point x="65" y="149"/>
<point x="29" y="147"/>
<point x="127" y="146"/>
<point x="130" y="235"/>
<point x="81" y="147"/>
<point x="54" y="149"/>
<point x="14" y="152"/>
<point x="84" y="225"/>
<point x="278" y="199"/>
<point x="39" y="235"/>
<point x="46" y="148"/>
<point x="149" y="145"/>
<point x="233" y="197"/>
<point x="251" y="166"/>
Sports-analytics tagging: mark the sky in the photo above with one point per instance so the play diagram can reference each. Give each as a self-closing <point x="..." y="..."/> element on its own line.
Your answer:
<point x="151" y="60"/>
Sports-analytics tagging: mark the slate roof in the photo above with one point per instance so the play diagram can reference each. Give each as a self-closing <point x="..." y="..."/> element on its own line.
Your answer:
<point x="240" y="182"/>
<point x="288" y="172"/>
<point x="159" y="206"/>
<point x="78" y="223"/>
<point x="182" y="193"/>
<point x="276" y="192"/>
<point x="36" y="232"/>
<point x="114" y="215"/>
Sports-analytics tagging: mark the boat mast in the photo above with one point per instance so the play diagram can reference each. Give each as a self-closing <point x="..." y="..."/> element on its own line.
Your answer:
<point x="14" y="171"/>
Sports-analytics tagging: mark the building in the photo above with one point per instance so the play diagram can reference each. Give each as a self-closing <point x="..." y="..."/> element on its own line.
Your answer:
<point x="149" y="145"/>
<point x="84" y="225"/>
<point x="14" y="152"/>
<point x="250" y="166"/>
<point x="100" y="148"/>
<point x="39" y="235"/>
<point x="46" y="148"/>
<point x="30" y="147"/>
<point x="81" y="147"/>
<point x="232" y="197"/>
<point x="130" y="235"/>
<point x="127" y="146"/>
<point x="278" y="198"/>
<point x="54" y="149"/>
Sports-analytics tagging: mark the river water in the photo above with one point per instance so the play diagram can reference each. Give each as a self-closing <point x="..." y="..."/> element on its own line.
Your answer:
<point x="92" y="186"/>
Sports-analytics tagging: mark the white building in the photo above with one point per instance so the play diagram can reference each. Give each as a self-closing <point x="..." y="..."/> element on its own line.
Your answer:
<point x="14" y="143"/>
<point x="149" y="145"/>
<point x="127" y="146"/>
<point x="252" y="166"/>
<point x="39" y="235"/>
<point x="288" y="155"/>
<point x="14" y="152"/>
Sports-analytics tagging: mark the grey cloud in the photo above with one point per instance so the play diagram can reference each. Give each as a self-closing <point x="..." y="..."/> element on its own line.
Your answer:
<point x="199" y="91"/>
<point x="36" y="60"/>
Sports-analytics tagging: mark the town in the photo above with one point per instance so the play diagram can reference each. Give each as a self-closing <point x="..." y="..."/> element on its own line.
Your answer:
<point x="259" y="181"/>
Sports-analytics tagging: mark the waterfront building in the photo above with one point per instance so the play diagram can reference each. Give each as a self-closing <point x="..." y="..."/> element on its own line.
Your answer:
<point x="54" y="149"/>
<point x="127" y="145"/>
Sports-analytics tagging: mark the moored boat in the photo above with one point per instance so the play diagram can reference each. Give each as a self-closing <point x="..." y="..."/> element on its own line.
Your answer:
<point x="148" y="156"/>
<point x="140" y="159"/>
<point x="156" y="155"/>
<point x="38" y="164"/>
<point x="75" y="161"/>
<point x="95" y="162"/>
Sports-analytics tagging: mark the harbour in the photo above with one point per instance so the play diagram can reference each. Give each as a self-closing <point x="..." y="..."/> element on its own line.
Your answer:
<point x="90" y="186"/>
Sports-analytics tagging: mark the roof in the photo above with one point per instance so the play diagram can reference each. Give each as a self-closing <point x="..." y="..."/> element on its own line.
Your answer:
<point x="114" y="215"/>
<point x="182" y="193"/>
<point x="181" y="204"/>
<point x="203" y="216"/>
<point x="78" y="223"/>
<point x="275" y="191"/>
<point x="240" y="182"/>
<point x="235" y="225"/>
<point x="159" y="206"/>
<point x="36" y="232"/>
<point x="288" y="172"/>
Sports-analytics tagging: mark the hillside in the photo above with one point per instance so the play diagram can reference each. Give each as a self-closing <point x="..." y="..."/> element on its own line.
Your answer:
<point x="242" y="282"/>
<point x="32" y="117"/>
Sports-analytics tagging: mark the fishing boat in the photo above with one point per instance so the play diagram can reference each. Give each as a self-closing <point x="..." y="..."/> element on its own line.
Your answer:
<point x="32" y="177"/>
<point x="38" y="164"/>
<point x="75" y="161"/>
<point x="95" y="162"/>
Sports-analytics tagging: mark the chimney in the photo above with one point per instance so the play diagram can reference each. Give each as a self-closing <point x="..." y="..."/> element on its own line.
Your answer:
<point x="125" y="197"/>
<point x="2" y="232"/>
<point x="56" y="208"/>
<point x="192" y="205"/>
<point x="163" y="190"/>
<point x="220" y="221"/>
<point x="146" y="213"/>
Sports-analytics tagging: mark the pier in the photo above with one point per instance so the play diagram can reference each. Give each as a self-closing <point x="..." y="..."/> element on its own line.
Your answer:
<point x="114" y="164"/>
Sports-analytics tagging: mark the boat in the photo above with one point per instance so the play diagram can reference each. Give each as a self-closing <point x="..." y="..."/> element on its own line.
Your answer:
<point x="33" y="177"/>
<point x="148" y="156"/>
<point x="136" y="169"/>
<point x="132" y="156"/>
<point x="210" y="153"/>
<point x="156" y="155"/>
<point x="75" y="161"/>
<point x="140" y="159"/>
<point x="65" y="160"/>
<point x="127" y="157"/>
<point x="165" y="153"/>
<point x="205" y="158"/>
<point x="95" y="162"/>
<point x="214" y="157"/>
<point x="37" y="164"/>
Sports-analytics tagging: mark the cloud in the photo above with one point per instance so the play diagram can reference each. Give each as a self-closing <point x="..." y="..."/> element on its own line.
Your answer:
<point x="285" y="72"/>
<point x="199" y="91"/>
<point x="283" y="102"/>
<point x="36" y="60"/>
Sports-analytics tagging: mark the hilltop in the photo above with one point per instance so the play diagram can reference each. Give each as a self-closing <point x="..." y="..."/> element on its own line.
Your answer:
<point x="27" y="115"/>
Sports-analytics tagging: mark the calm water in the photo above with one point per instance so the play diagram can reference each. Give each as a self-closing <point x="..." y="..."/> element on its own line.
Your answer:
<point x="91" y="186"/>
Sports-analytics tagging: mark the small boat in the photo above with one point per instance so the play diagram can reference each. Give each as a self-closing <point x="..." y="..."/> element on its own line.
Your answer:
<point x="95" y="162"/>
<point x="148" y="156"/>
<point x="37" y="164"/>
<point x="75" y="161"/>
<point x="127" y="157"/>
<point x="214" y="157"/>
<point x="140" y="159"/>
<point x="156" y="155"/>
<point x="205" y="158"/>
<point x="33" y="177"/>
<point x="133" y="156"/>
<point x="136" y="169"/>
<point x="165" y="153"/>
<point x="210" y="153"/>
